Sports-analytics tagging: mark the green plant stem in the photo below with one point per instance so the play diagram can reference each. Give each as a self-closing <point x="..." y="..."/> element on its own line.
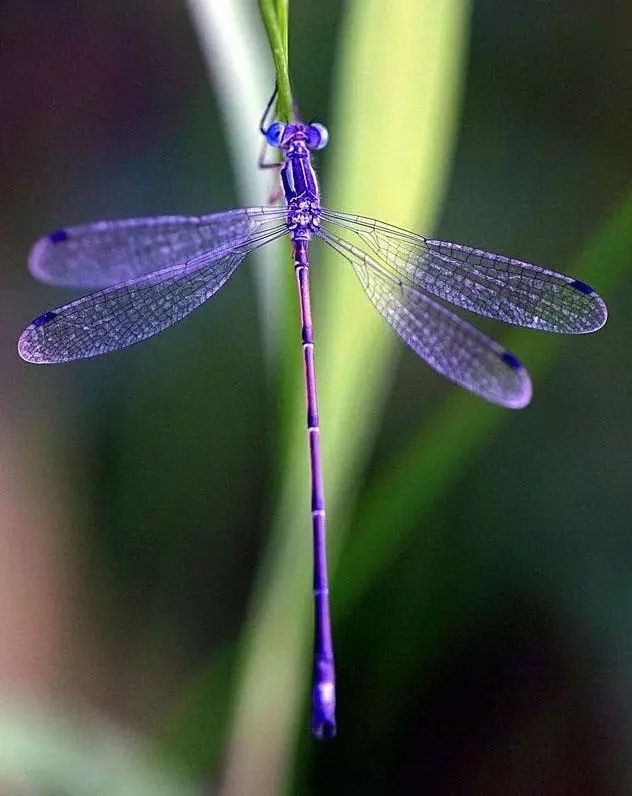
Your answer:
<point x="275" y="19"/>
<point x="405" y="65"/>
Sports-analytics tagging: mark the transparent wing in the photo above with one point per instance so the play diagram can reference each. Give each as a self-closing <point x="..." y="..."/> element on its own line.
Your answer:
<point x="108" y="253"/>
<point x="482" y="282"/>
<point x="122" y="315"/>
<point x="449" y="344"/>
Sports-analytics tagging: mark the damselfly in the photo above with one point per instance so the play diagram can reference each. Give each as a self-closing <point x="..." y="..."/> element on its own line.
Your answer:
<point x="153" y="272"/>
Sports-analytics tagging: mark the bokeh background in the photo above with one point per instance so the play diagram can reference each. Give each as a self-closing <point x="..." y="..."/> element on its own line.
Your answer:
<point x="483" y="584"/>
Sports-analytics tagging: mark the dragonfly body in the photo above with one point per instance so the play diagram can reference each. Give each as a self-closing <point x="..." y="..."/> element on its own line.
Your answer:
<point x="152" y="272"/>
<point x="302" y="198"/>
<point x="299" y="183"/>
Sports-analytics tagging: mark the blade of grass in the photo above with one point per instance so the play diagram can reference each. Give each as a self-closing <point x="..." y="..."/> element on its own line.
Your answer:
<point x="237" y="58"/>
<point x="275" y="18"/>
<point x="239" y="67"/>
<point x="398" y="81"/>
<point x="435" y="456"/>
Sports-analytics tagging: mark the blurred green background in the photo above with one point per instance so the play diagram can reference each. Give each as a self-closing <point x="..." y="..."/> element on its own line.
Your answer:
<point x="482" y="558"/>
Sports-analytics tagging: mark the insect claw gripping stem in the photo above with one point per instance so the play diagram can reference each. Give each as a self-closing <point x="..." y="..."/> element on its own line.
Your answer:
<point x="262" y="123"/>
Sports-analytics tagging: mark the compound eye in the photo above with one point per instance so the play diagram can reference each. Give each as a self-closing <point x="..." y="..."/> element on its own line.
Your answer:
<point x="317" y="136"/>
<point x="274" y="133"/>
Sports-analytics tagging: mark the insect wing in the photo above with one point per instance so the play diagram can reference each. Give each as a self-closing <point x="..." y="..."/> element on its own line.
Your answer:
<point x="488" y="284"/>
<point x="453" y="347"/>
<point x="108" y="253"/>
<point x="125" y="314"/>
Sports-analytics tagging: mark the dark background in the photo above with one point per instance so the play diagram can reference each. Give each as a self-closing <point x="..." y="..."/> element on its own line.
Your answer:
<point x="492" y="655"/>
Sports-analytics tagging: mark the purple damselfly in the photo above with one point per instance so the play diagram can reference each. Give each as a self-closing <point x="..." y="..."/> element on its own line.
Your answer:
<point x="154" y="271"/>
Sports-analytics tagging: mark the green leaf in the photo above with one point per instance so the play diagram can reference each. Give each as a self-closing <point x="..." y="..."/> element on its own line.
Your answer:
<point x="398" y="81"/>
<point x="275" y="18"/>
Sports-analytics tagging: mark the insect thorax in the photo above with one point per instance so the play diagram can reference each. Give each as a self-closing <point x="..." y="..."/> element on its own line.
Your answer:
<point x="303" y="217"/>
